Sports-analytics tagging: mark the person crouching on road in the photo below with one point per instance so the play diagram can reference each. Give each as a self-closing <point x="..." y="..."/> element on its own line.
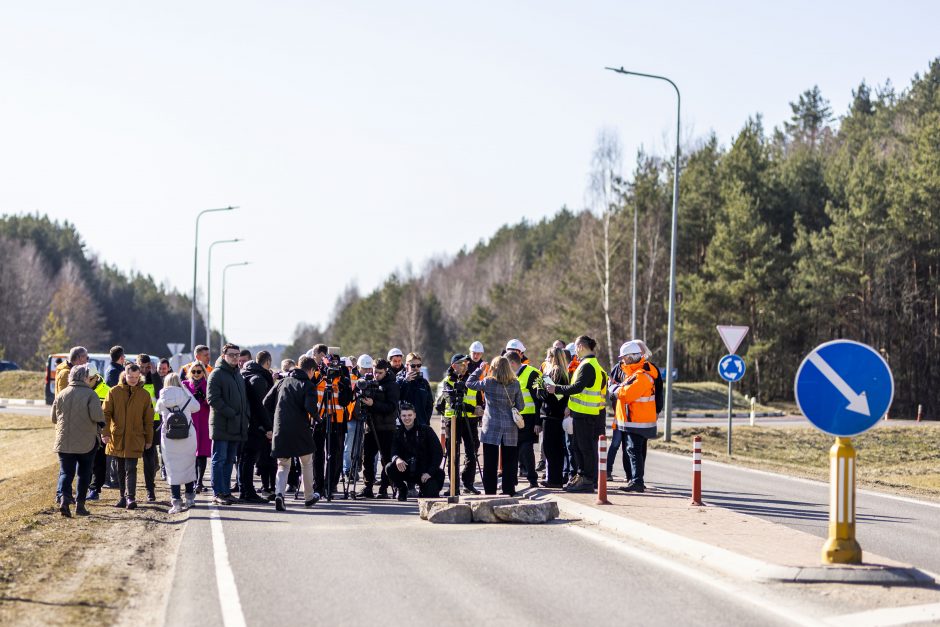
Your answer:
<point x="178" y="441"/>
<point x="128" y="418"/>
<point x="416" y="457"/>
<point x="634" y="395"/>
<point x="76" y="413"/>
<point x="294" y="407"/>
<point x="500" y="432"/>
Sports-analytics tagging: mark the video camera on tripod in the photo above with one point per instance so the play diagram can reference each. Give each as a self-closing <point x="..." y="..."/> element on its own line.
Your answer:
<point x="334" y="366"/>
<point x="366" y="387"/>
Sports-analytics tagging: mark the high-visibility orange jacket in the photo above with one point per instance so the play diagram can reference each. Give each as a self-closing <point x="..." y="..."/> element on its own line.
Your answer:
<point x="339" y="411"/>
<point x="634" y="396"/>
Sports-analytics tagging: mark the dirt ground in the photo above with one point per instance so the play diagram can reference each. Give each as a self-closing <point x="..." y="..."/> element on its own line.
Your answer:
<point x="109" y="568"/>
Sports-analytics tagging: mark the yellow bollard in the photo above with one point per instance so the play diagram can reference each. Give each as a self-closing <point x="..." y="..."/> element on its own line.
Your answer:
<point x="841" y="547"/>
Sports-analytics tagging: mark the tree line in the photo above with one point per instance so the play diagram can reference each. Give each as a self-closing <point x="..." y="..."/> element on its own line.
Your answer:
<point x="54" y="295"/>
<point x="827" y="227"/>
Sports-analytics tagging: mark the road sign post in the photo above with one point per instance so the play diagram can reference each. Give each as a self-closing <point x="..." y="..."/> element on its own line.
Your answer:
<point x="843" y="388"/>
<point x="731" y="368"/>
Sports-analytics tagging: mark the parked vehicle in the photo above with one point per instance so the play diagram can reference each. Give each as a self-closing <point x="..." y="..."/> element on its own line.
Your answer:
<point x="8" y="365"/>
<point x="100" y="360"/>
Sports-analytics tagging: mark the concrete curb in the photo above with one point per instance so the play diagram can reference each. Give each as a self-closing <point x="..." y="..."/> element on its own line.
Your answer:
<point x="735" y="564"/>
<point x="21" y="401"/>
<point x="736" y="414"/>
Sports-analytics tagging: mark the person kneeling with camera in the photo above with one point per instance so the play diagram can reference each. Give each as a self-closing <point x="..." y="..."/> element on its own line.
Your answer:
<point x="416" y="457"/>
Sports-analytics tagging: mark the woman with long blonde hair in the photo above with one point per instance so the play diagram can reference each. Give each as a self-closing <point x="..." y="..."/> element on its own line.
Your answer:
<point x="500" y="433"/>
<point x="553" y="413"/>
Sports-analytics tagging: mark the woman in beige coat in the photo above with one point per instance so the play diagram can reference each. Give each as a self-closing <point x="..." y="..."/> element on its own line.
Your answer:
<point x="128" y="430"/>
<point x="76" y="413"/>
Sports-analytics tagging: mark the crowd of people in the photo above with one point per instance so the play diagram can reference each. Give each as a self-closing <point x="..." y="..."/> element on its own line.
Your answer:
<point x="321" y="423"/>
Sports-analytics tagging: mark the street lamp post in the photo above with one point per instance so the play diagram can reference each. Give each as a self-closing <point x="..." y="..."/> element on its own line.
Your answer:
<point x="222" y="326"/>
<point x="209" y="287"/>
<point x="670" y="329"/>
<point x="192" y="328"/>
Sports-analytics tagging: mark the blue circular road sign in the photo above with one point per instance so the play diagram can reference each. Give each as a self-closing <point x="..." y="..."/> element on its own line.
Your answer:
<point x="731" y="368"/>
<point x="844" y="387"/>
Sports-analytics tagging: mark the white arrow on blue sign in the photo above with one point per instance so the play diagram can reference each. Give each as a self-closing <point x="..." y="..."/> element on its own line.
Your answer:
<point x="731" y="368"/>
<point x="844" y="387"/>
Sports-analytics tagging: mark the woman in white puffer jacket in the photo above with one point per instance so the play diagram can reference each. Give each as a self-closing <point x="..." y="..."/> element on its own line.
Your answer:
<point x="179" y="454"/>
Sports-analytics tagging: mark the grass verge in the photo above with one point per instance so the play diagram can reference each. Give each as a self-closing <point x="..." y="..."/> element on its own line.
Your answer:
<point x="74" y="571"/>
<point x="900" y="459"/>
<point x="22" y="384"/>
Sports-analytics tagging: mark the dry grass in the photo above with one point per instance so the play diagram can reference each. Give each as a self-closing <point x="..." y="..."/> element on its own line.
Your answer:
<point x="897" y="458"/>
<point x="47" y="561"/>
<point x="22" y="384"/>
<point x="710" y="395"/>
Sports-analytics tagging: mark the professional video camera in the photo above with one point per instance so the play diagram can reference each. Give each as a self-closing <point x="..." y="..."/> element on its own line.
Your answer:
<point x="334" y="366"/>
<point x="366" y="387"/>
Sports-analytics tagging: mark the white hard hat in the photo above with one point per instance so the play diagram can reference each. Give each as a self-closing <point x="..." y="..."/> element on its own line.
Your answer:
<point x="364" y="361"/>
<point x="395" y="352"/>
<point x="571" y="348"/>
<point x="476" y="347"/>
<point x="92" y="369"/>
<point x="347" y="362"/>
<point x="515" y="345"/>
<point x="630" y="348"/>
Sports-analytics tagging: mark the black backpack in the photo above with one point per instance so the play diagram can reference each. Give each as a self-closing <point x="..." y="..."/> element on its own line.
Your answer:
<point x="657" y="387"/>
<point x="177" y="424"/>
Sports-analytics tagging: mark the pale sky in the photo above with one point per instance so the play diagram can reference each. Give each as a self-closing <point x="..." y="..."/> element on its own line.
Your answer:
<point x="356" y="137"/>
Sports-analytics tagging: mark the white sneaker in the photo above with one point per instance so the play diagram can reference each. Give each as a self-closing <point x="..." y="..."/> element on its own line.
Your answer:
<point x="176" y="506"/>
<point x="190" y="502"/>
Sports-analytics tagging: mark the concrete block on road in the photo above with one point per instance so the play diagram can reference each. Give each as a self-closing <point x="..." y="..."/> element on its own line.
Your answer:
<point x="449" y="513"/>
<point x="528" y="513"/>
<point x="424" y="506"/>
<point x="483" y="508"/>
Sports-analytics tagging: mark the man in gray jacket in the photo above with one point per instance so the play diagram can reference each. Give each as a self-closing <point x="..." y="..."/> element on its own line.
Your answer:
<point x="228" y="420"/>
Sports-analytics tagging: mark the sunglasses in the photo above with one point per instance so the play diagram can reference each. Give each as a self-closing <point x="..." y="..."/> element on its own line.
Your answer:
<point x="196" y="372"/>
<point x="414" y="366"/>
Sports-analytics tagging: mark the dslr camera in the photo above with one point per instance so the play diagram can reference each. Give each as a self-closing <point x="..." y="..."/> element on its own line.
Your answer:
<point x="367" y="386"/>
<point x="334" y="367"/>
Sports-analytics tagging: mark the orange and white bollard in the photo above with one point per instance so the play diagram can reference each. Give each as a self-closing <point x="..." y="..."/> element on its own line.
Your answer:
<point x="602" y="471"/>
<point x="697" y="470"/>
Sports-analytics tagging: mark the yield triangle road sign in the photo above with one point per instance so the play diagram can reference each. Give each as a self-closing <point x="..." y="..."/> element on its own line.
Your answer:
<point x="175" y="348"/>
<point x="732" y="336"/>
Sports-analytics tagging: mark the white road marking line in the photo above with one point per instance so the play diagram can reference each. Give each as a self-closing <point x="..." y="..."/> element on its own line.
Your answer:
<point x="882" y="495"/>
<point x="889" y="616"/>
<point x="228" y="592"/>
<point x="705" y="578"/>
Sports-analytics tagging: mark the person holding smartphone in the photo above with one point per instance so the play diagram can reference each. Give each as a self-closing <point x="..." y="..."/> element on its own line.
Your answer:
<point x="415" y="389"/>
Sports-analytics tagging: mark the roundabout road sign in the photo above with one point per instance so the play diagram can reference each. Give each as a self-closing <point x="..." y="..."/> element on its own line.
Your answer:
<point x="731" y="368"/>
<point x="844" y="387"/>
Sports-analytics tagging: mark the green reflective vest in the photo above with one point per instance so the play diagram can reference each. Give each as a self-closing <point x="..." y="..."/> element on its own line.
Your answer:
<point x="153" y="398"/>
<point x="591" y="400"/>
<point x="102" y="390"/>
<point x="469" y="398"/>
<point x="524" y="378"/>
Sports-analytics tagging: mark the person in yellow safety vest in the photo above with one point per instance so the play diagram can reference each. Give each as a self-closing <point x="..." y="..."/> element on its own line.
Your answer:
<point x="454" y="395"/>
<point x="530" y="382"/>
<point x="587" y="406"/>
<point x="99" y="469"/>
<point x="153" y="384"/>
<point x="633" y="391"/>
<point x="518" y="347"/>
<point x="333" y="373"/>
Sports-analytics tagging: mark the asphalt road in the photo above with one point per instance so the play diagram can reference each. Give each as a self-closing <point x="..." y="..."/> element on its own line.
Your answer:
<point x="31" y="410"/>
<point x="902" y="529"/>
<point x="361" y="562"/>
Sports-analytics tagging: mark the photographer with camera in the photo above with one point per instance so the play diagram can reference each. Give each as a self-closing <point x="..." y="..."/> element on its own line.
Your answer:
<point x="455" y="396"/>
<point x="295" y="403"/>
<point x="380" y="403"/>
<point x="415" y="389"/>
<point x="334" y="392"/>
<point x="416" y="457"/>
<point x="353" y="462"/>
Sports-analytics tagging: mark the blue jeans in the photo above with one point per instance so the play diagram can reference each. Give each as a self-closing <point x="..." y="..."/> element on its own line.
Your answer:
<point x="618" y="440"/>
<point x="223" y="458"/>
<point x="352" y="431"/>
<point x="636" y="448"/>
<point x="68" y="462"/>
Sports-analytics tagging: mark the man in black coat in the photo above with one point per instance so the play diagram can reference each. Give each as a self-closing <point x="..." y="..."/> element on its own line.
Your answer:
<point x="113" y="372"/>
<point x="415" y="389"/>
<point x="381" y="414"/>
<point x="228" y="420"/>
<point x="293" y="437"/>
<point x="416" y="457"/>
<point x="258" y="382"/>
